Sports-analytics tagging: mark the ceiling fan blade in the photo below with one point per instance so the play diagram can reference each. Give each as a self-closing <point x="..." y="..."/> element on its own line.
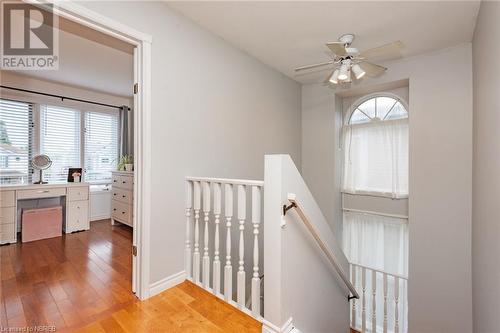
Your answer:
<point x="338" y="48"/>
<point x="372" y="69"/>
<point x="314" y="66"/>
<point x="385" y="52"/>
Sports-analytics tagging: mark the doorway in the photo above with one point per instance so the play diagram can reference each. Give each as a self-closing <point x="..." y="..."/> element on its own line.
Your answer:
<point x="98" y="238"/>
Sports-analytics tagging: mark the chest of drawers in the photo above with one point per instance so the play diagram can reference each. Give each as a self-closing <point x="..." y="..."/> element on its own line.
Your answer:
<point x="122" y="197"/>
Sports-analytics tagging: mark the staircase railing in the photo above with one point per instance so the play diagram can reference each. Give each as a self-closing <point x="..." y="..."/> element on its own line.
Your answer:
<point x="382" y="306"/>
<point x="331" y="257"/>
<point x="203" y="265"/>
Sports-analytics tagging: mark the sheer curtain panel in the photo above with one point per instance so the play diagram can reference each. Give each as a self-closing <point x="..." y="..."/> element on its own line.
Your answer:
<point x="376" y="158"/>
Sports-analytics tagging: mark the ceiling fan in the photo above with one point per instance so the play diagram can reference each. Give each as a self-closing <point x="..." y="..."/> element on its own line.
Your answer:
<point x="351" y="65"/>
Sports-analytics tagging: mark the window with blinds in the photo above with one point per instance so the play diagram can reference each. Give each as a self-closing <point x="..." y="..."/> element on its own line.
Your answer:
<point x="16" y="141"/>
<point x="101" y="146"/>
<point x="60" y="132"/>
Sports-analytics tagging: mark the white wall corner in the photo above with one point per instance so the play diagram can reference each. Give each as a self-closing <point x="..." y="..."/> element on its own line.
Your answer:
<point x="287" y="327"/>
<point x="166" y="283"/>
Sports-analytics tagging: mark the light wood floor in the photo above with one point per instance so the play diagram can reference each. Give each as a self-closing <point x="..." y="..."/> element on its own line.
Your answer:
<point x="66" y="281"/>
<point x="184" y="308"/>
<point x="82" y="282"/>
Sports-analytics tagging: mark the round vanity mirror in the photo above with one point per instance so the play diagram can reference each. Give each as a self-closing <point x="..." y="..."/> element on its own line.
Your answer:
<point x="41" y="162"/>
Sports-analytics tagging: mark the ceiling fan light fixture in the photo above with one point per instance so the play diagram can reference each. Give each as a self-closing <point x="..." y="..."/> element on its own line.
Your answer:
<point x="334" y="78"/>
<point x="344" y="72"/>
<point x="358" y="71"/>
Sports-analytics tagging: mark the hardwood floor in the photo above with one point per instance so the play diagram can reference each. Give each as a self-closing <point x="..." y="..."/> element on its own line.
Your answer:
<point x="66" y="281"/>
<point x="82" y="282"/>
<point x="184" y="308"/>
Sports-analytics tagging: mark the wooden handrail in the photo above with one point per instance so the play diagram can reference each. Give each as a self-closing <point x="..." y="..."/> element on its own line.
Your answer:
<point x="331" y="257"/>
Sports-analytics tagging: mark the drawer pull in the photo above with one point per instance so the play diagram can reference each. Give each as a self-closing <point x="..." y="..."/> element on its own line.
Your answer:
<point x="123" y="196"/>
<point x="114" y="180"/>
<point x="114" y="209"/>
<point x="44" y="191"/>
<point x="114" y="194"/>
<point x="123" y="212"/>
<point x="124" y="182"/>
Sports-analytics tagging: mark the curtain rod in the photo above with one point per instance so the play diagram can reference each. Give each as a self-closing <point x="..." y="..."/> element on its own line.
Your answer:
<point x="62" y="97"/>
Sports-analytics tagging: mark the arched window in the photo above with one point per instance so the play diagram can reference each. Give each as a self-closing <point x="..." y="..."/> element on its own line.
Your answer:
<point x="376" y="147"/>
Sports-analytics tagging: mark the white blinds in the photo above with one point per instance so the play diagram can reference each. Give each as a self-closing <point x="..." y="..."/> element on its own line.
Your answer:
<point x="16" y="137"/>
<point x="101" y="145"/>
<point x="376" y="158"/>
<point x="60" y="132"/>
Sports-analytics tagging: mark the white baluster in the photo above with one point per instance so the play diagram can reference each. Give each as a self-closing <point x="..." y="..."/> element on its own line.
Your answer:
<point x="216" y="264"/>
<point x="189" y="206"/>
<point x="196" y="254"/>
<point x="256" y="213"/>
<point x="396" y="308"/>
<point x="242" y="202"/>
<point x="374" y="301"/>
<point x="385" y="302"/>
<point x="228" y="269"/>
<point x="363" y="306"/>
<point x="353" y="313"/>
<point x="206" y="257"/>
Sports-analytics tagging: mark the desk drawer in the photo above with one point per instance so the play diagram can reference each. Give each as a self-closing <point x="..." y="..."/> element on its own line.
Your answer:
<point x="7" y="233"/>
<point x="7" y="215"/>
<point x="122" y="195"/>
<point x="41" y="193"/>
<point x="7" y="199"/>
<point x="77" y="216"/>
<point x="78" y="193"/>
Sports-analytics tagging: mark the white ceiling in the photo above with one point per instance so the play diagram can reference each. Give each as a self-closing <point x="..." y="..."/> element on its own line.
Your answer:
<point x="289" y="34"/>
<point x="91" y="60"/>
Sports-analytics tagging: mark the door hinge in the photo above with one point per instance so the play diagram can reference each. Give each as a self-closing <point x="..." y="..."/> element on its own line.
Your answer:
<point x="136" y="88"/>
<point x="134" y="250"/>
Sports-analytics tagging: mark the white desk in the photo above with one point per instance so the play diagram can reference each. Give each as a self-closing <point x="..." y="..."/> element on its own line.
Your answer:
<point x="75" y="197"/>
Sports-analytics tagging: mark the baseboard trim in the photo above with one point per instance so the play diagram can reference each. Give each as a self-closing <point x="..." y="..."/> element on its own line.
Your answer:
<point x="166" y="283"/>
<point x="99" y="217"/>
<point x="287" y="327"/>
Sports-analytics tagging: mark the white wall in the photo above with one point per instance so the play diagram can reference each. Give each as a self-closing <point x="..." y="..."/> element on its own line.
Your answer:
<point x="486" y="210"/>
<point x="25" y="81"/>
<point x="320" y="147"/>
<point x="440" y="93"/>
<point x="216" y="112"/>
<point x="299" y="280"/>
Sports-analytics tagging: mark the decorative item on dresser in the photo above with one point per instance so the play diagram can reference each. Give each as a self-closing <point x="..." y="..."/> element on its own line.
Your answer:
<point x="122" y="204"/>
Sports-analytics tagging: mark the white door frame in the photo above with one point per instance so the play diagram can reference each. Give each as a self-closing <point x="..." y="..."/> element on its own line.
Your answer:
<point x="142" y="127"/>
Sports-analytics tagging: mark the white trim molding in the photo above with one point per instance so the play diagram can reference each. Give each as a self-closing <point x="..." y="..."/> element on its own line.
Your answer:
<point x="166" y="283"/>
<point x="142" y="127"/>
<point x="287" y="327"/>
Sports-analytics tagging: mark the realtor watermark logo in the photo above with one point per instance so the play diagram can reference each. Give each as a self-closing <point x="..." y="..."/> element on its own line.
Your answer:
<point x="29" y="37"/>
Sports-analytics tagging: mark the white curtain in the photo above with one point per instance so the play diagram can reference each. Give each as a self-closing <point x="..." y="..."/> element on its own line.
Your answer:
<point x="375" y="241"/>
<point x="376" y="158"/>
<point x="381" y="243"/>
